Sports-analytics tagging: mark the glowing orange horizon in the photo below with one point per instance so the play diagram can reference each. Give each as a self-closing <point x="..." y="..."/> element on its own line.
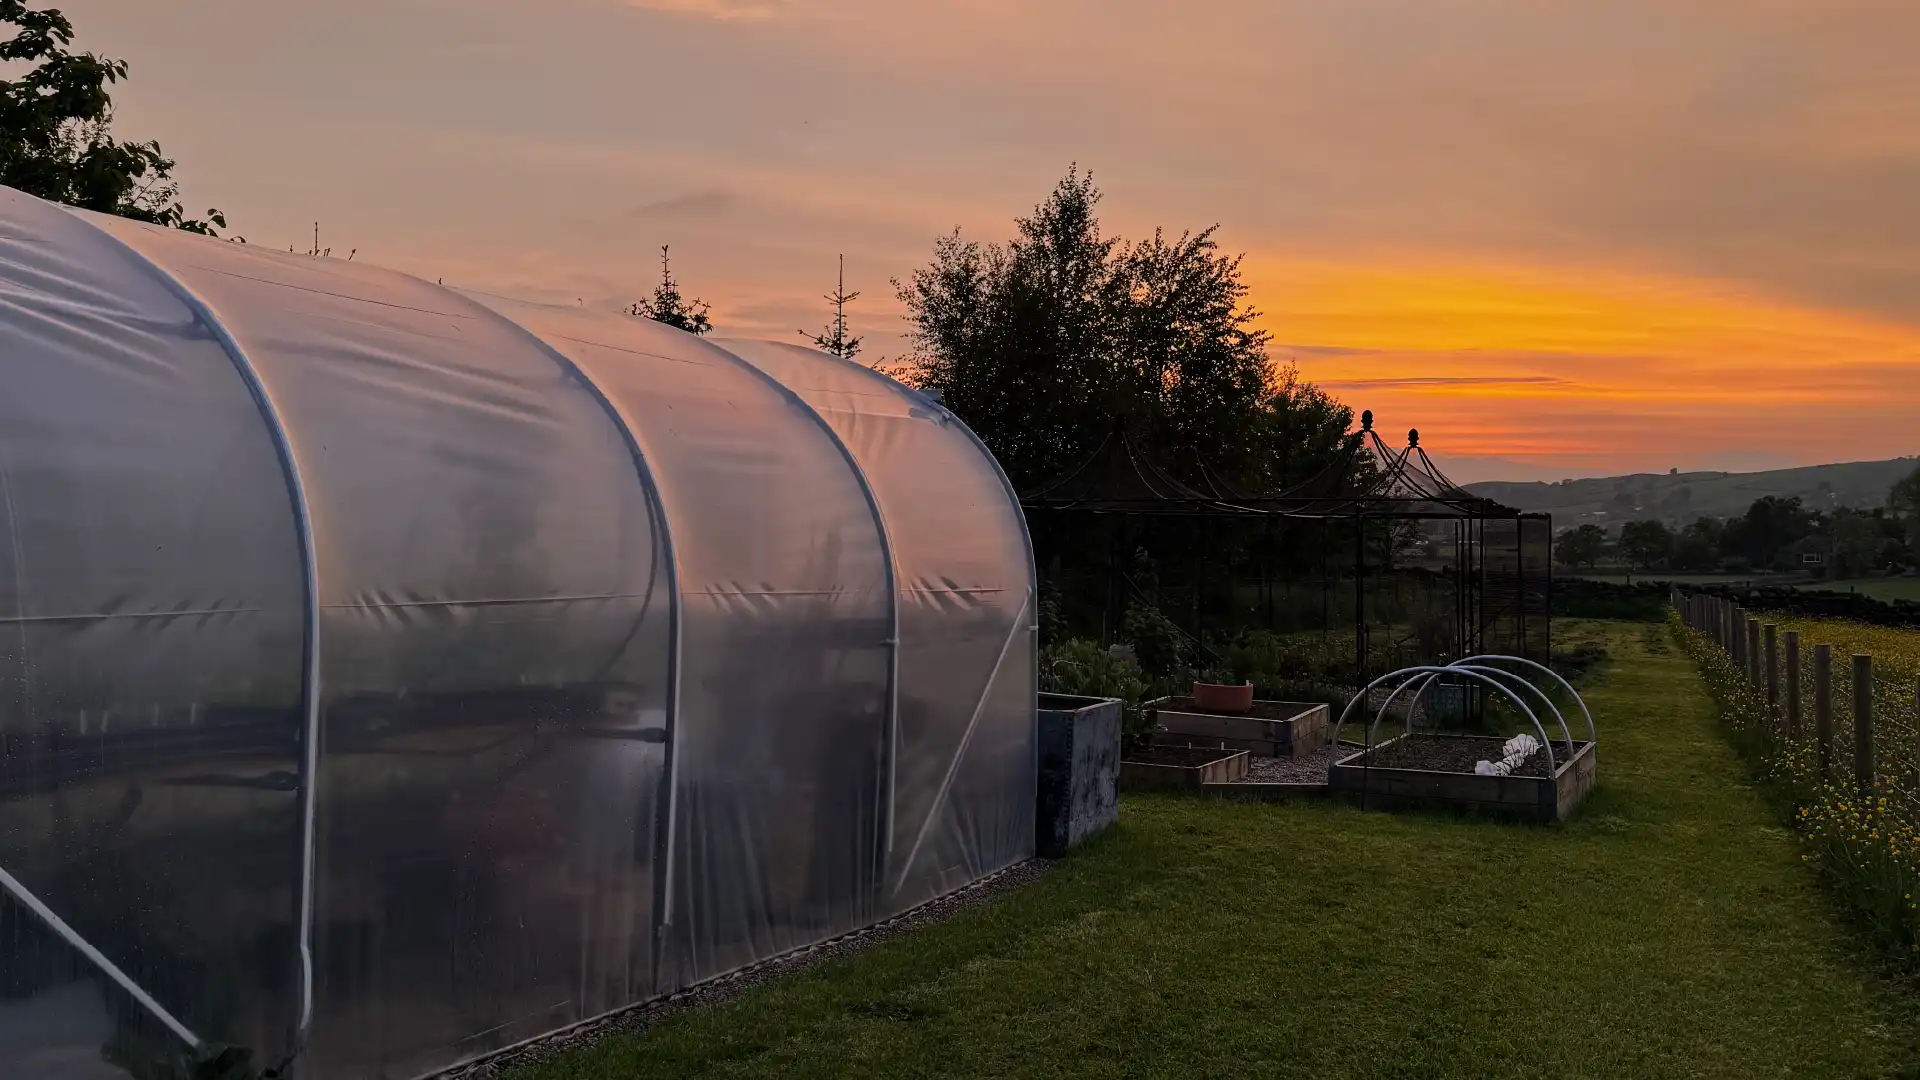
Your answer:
<point x="1565" y="364"/>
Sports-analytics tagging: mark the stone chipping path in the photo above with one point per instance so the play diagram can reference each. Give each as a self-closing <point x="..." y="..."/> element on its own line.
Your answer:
<point x="1311" y="769"/>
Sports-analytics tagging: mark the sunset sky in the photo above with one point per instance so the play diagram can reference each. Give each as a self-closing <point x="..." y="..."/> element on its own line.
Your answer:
<point x="1560" y="238"/>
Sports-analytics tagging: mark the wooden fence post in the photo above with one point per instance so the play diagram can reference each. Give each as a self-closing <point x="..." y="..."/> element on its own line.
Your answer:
<point x="1752" y="647"/>
<point x="1771" y="633"/>
<point x="1823" y="708"/>
<point x="1863" y="721"/>
<point x="1793" y="685"/>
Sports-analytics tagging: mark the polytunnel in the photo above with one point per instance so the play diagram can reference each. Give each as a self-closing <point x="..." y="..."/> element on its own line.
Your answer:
<point x="389" y="673"/>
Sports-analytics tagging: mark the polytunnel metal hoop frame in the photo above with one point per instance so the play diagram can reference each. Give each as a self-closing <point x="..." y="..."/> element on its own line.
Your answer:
<point x="946" y="417"/>
<point x="1408" y="674"/>
<point x="1027" y="606"/>
<point x="668" y="798"/>
<point x="893" y="580"/>
<point x="310" y="673"/>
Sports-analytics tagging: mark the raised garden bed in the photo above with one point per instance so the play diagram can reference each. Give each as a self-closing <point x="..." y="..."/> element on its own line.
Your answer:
<point x="1079" y="770"/>
<point x="1270" y="729"/>
<point x="1436" y="772"/>
<point x="1181" y="768"/>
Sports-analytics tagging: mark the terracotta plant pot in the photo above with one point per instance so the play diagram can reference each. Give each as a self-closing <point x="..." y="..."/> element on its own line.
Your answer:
<point x="1217" y="697"/>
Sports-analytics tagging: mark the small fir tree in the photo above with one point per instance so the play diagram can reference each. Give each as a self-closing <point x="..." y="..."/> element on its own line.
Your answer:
<point x="834" y="338"/>
<point x="668" y="306"/>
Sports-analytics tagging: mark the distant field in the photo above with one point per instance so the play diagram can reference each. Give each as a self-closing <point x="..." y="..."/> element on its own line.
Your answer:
<point x="1878" y="588"/>
<point x="1677" y="579"/>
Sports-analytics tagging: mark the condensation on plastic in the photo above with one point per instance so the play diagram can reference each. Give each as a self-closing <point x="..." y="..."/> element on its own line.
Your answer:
<point x="493" y="643"/>
<point x="964" y="744"/>
<point x="557" y="558"/>
<point x="782" y="717"/>
<point x="151" y="639"/>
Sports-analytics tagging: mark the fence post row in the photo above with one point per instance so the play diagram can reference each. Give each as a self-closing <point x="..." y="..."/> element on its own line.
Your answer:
<point x="1793" y="685"/>
<point x="1823" y="707"/>
<point x="1752" y="646"/>
<point x="1863" y="721"/>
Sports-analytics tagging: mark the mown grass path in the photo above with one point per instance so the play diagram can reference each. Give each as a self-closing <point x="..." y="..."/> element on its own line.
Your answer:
<point x="1671" y="930"/>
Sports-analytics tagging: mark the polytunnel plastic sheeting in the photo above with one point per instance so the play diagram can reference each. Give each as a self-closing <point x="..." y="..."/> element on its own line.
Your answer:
<point x="151" y="635"/>
<point x="459" y="668"/>
<point x="781" y="725"/>
<point x="493" y="641"/>
<point x="964" y="749"/>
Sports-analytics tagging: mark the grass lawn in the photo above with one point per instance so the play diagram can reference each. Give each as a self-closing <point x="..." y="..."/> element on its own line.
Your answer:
<point x="1671" y="930"/>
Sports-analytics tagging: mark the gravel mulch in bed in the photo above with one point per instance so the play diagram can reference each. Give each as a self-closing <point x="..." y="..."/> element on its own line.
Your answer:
<point x="1311" y="769"/>
<point x="1456" y="753"/>
<point x="640" y="1017"/>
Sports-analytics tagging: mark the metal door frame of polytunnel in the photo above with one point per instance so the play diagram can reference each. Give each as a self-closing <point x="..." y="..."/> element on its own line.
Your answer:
<point x="1371" y="482"/>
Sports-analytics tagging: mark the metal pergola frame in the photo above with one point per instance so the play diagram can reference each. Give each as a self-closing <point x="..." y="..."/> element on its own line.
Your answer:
<point x="1370" y="483"/>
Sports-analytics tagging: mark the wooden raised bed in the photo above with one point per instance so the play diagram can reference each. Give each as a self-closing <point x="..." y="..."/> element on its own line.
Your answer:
<point x="1181" y="768"/>
<point x="1288" y="729"/>
<point x="1538" y="798"/>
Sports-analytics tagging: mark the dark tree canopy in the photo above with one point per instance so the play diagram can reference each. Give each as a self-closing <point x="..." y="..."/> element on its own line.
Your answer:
<point x="1646" y="543"/>
<point x="56" y="121"/>
<point x="1769" y="527"/>
<point x="666" y="305"/>
<point x="1582" y="546"/>
<point x="1904" y="503"/>
<point x="1041" y="342"/>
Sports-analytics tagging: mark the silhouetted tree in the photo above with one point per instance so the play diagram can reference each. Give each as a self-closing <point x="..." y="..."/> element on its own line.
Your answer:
<point x="1770" y="526"/>
<point x="667" y="305"/>
<point x="1646" y="543"/>
<point x="56" y="122"/>
<point x="1582" y="547"/>
<point x="1041" y="342"/>
<point x="1903" y="502"/>
<point x="1697" y="547"/>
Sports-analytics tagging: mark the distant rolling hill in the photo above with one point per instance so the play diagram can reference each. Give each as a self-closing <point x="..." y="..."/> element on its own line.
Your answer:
<point x="1678" y="498"/>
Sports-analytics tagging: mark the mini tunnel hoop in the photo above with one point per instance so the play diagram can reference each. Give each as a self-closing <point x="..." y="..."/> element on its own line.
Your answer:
<point x="1490" y="676"/>
<point x="1408" y="674"/>
<point x="1592" y="736"/>
<point x="1518" y="680"/>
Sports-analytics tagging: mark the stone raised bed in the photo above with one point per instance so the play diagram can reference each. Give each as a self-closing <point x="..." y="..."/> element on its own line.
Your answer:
<point x="1270" y="729"/>
<point x="1181" y="768"/>
<point x="1436" y="772"/>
